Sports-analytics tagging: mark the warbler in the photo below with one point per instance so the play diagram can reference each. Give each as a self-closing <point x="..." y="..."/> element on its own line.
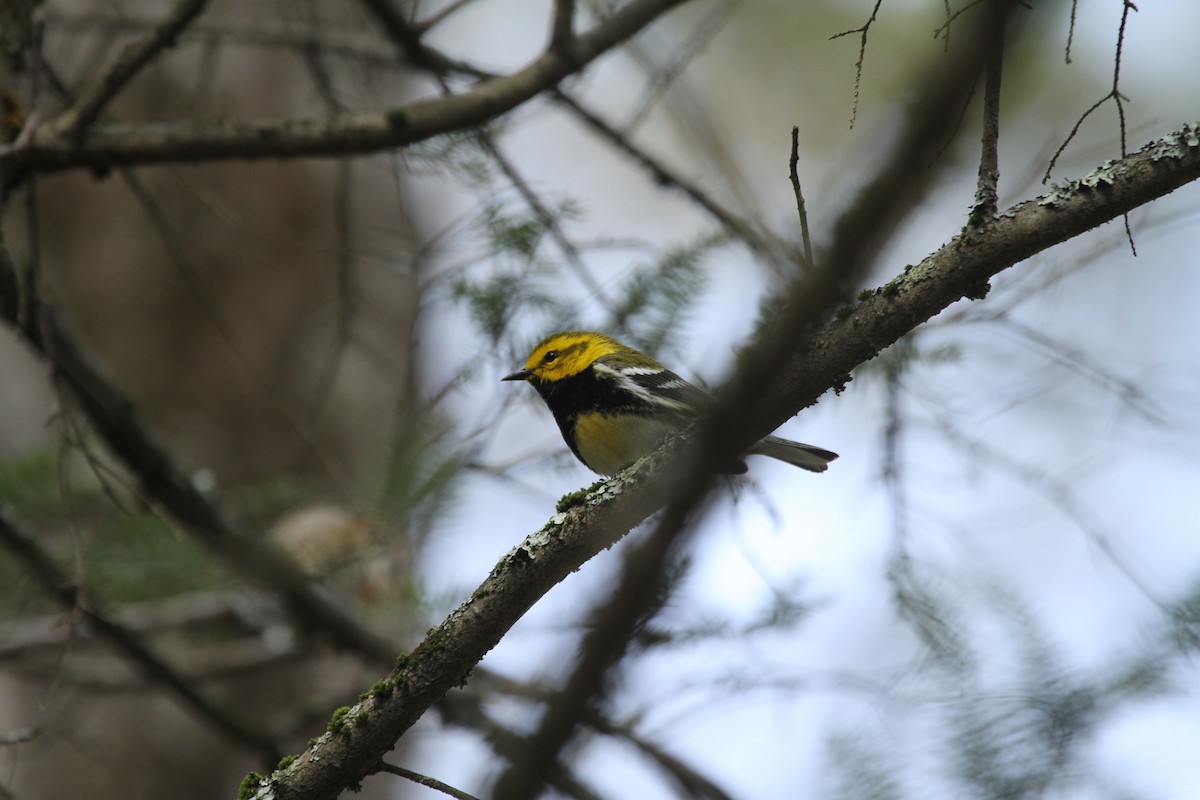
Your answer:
<point x="614" y="404"/>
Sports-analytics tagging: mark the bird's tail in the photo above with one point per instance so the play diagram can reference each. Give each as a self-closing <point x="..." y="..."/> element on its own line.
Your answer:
<point x="804" y="456"/>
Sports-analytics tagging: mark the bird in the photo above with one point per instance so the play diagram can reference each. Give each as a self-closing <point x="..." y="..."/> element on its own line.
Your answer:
<point x="613" y="404"/>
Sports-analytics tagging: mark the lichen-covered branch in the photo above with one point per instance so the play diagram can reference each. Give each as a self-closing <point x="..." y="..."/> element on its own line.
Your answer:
<point x="161" y="480"/>
<point x="358" y="737"/>
<point x="112" y="145"/>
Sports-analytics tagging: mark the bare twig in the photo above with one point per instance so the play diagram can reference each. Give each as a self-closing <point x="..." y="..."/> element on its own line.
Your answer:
<point x="425" y="780"/>
<point x="343" y="223"/>
<point x="943" y="30"/>
<point x="863" y="31"/>
<point x="1071" y="30"/>
<point x="441" y="15"/>
<point x="343" y="315"/>
<point x="759" y="242"/>
<point x="74" y="121"/>
<point x="176" y="613"/>
<point x="986" y="196"/>
<point x="1114" y="94"/>
<point x="1075" y="360"/>
<point x="663" y="77"/>
<point x="546" y="217"/>
<point x="1118" y="99"/>
<point x="692" y="783"/>
<point x="793" y="171"/>
<point x="1058" y="492"/>
<point x="363" y="47"/>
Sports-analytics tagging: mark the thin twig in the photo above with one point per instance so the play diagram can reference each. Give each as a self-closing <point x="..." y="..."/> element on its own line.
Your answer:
<point x="1071" y="30"/>
<point x="1075" y="360"/>
<point x="793" y="171"/>
<point x="425" y="780"/>
<point x="663" y="77"/>
<point x="1052" y="487"/>
<point x="343" y="224"/>
<point x="759" y="242"/>
<point x="863" y="32"/>
<point x="1114" y="94"/>
<point x="545" y="216"/>
<point x="343" y="315"/>
<point x="75" y="120"/>
<point x="943" y="30"/>
<point x="407" y="37"/>
<point x="30" y="277"/>
<point x="986" y="187"/>
<point x="1118" y="99"/>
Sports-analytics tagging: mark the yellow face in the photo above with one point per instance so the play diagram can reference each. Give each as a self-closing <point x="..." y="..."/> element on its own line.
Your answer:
<point x="562" y="355"/>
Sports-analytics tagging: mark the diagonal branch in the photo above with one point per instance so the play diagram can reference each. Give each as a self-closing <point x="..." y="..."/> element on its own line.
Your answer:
<point x="352" y="750"/>
<point x="109" y="146"/>
<point x="43" y="569"/>
<point x="761" y="243"/>
<point x="161" y="480"/>
<point x="407" y="37"/>
<point x="73" y="122"/>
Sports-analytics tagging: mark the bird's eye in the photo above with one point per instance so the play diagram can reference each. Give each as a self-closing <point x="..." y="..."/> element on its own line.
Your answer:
<point x="546" y="359"/>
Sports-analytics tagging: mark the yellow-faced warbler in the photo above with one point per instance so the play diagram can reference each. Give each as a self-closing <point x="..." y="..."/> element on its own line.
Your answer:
<point x="614" y="404"/>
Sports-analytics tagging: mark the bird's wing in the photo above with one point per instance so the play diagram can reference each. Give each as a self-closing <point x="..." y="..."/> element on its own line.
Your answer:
<point x="666" y="385"/>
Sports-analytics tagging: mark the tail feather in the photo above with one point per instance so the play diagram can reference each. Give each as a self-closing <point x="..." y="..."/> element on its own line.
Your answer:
<point x="805" y="456"/>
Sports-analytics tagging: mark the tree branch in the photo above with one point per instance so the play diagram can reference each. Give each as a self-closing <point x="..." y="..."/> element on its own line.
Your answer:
<point x="801" y="212"/>
<point x="986" y="194"/>
<point x="352" y="750"/>
<point x="156" y="670"/>
<point x="72" y="123"/>
<point x="760" y="242"/>
<point x="108" y="146"/>
<point x="161" y="480"/>
<point x="731" y="426"/>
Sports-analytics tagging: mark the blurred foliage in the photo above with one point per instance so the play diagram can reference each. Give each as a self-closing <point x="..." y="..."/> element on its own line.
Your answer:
<point x="906" y="353"/>
<point x="861" y="770"/>
<point x="126" y="552"/>
<point x="655" y="301"/>
<point x="42" y="482"/>
<point x="493" y="301"/>
<point x="137" y="557"/>
<point x="419" y="477"/>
